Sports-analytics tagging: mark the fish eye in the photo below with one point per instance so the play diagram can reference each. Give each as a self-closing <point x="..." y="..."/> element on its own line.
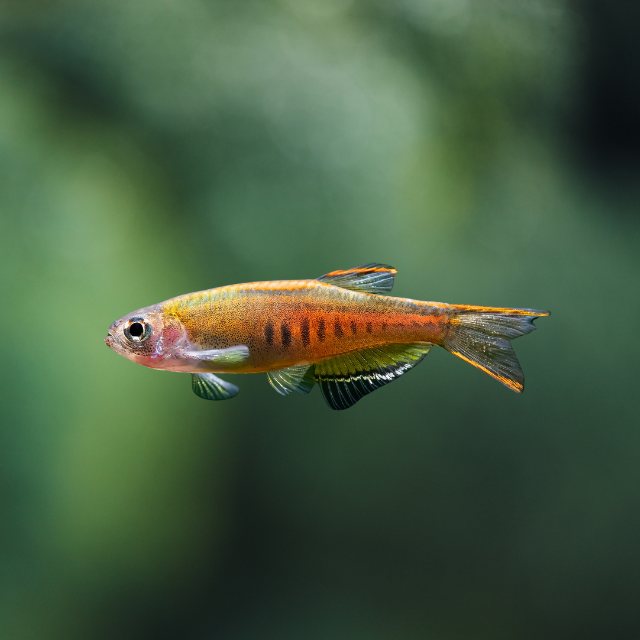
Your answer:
<point x="137" y="330"/>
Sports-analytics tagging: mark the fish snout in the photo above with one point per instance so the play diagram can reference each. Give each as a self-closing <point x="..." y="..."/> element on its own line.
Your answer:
<point x="111" y="340"/>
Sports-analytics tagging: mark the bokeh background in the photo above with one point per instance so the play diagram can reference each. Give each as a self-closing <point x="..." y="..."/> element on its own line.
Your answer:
<point x="488" y="149"/>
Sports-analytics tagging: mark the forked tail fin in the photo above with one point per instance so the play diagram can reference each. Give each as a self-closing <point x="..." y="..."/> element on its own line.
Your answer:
<point x="482" y="335"/>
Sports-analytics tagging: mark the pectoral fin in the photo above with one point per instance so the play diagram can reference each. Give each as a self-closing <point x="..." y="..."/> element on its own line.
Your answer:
<point x="230" y="355"/>
<point x="345" y="379"/>
<point x="210" y="387"/>
<point x="297" y="378"/>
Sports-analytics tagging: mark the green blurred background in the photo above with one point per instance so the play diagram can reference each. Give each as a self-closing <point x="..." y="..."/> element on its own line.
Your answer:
<point x="488" y="149"/>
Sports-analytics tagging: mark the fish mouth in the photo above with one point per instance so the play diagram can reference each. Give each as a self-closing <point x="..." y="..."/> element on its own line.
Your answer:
<point x="107" y="340"/>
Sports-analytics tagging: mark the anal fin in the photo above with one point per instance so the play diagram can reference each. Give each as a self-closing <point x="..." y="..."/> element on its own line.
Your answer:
<point x="347" y="378"/>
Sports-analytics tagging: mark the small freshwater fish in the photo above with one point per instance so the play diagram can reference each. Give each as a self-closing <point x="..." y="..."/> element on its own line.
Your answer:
<point x="338" y="331"/>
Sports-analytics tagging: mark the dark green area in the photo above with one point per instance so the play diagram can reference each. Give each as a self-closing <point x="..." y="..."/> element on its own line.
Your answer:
<point x="488" y="150"/>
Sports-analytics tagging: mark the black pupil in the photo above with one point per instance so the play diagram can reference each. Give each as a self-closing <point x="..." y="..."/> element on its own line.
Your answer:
<point x="136" y="329"/>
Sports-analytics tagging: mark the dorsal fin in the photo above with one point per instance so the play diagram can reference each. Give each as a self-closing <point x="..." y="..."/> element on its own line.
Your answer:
<point x="367" y="278"/>
<point x="345" y="379"/>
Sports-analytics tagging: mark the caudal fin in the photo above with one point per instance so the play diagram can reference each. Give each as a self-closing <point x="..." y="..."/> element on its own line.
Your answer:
<point x="482" y="335"/>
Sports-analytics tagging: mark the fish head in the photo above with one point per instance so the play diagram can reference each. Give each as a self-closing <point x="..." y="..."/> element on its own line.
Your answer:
<point x="147" y="336"/>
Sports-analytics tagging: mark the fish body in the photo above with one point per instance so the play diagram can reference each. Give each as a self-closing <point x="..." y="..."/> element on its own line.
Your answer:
<point x="337" y="330"/>
<point x="291" y="322"/>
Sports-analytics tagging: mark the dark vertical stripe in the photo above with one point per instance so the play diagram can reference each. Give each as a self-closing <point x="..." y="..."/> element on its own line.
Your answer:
<point x="369" y="327"/>
<point x="354" y="327"/>
<point x="384" y="326"/>
<point x="268" y="332"/>
<point x="304" y="332"/>
<point x="337" y="329"/>
<point x="286" y="334"/>
<point x="320" y="331"/>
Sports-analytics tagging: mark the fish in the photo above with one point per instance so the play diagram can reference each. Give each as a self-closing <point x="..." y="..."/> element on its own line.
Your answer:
<point x="341" y="332"/>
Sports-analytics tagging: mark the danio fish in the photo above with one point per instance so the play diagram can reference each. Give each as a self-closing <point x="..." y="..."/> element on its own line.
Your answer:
<point x="338" y="331"/>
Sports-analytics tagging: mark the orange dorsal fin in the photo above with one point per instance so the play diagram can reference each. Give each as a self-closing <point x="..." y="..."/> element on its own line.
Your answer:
<point x="367" y="278"/>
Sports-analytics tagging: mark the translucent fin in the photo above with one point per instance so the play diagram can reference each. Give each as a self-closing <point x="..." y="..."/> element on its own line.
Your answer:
<point x="210" y="387"/>
<point x="297" y="378"/>
<point x="230" y="355"/>
<point x="347" y="378"/>
<point x="367" y="278"/>
<point x="481" y="335"/>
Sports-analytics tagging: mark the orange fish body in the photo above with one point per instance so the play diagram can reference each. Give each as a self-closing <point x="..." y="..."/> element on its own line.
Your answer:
<point x="292" y="321"/>
<point x="336" y="330"/>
